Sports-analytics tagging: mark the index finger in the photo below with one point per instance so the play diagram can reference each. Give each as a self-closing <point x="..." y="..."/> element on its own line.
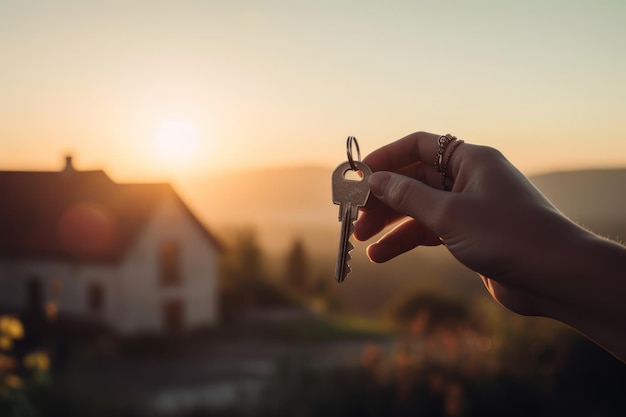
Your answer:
<point x="416" y="147"/>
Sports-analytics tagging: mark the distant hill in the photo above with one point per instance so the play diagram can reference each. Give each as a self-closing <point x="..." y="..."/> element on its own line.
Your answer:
<point x="282" y="204"/>
<point x="594" y="198"/>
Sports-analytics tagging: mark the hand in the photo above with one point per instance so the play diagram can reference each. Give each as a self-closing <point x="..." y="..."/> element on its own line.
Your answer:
<point x="531" y="258"/>
<point x="494" y="221"/>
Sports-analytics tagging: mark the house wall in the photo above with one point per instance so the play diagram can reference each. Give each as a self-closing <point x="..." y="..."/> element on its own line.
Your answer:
<point x="64" y="287"/>
<point x="143" y="297"/>
<point x="133" y="296"/>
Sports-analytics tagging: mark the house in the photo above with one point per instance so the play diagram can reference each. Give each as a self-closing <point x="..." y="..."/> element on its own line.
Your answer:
<point x="132" y="256"/>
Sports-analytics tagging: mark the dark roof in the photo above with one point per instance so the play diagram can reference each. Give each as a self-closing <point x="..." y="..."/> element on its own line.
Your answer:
<point x="76" y="215"/>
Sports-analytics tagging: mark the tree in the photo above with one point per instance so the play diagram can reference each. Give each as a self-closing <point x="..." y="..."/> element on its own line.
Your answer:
<point x="297" y="267"/>
<point x="244" y="278"/>
<point x="243" y="260"/>
<point x="242" y="268"/>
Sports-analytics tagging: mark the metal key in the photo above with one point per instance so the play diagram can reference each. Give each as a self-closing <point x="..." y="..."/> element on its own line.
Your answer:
<point x="349" y="195"/>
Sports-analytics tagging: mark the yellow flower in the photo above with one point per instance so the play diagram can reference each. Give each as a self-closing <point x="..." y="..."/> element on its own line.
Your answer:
<point x="11" y="326"/>
<point x="37" y="360"/>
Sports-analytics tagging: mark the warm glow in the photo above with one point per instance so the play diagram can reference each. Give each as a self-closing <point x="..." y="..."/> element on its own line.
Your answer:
<point x="176" y="142"/>
<point x="211" y="87"/>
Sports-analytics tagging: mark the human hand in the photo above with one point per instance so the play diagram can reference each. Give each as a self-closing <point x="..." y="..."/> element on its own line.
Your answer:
<point x="494" y="220"/>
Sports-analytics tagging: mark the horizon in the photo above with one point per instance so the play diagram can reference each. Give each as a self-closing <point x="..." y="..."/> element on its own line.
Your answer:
<point x="173" y="179"/>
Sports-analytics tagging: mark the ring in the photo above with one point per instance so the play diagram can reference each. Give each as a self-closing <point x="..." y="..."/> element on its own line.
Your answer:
<point x="349" y="142"/>
<point x="443" y="142"/>
<point x="442" y="159"/>
<point x="446" y="162"/>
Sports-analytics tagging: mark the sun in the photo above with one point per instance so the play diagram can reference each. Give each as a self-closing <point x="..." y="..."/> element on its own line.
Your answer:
<point x="176" y="142"/>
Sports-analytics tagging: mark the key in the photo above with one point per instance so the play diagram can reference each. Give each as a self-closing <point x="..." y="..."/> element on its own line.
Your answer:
<point x="349" y="195"/>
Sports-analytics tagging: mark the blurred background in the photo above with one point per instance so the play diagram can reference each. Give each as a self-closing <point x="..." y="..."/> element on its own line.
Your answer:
<point x="167" y="235"/>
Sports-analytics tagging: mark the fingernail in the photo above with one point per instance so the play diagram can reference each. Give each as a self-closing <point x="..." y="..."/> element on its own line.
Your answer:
<point x="378" y="182"/>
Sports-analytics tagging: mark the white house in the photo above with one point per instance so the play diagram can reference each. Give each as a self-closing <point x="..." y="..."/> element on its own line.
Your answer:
<point x="132" y="256"/>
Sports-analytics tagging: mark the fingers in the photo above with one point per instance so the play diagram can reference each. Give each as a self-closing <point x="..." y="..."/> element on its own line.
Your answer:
<point x="419" y="149"/>
<point x="416" y="147"/>
<point x="401" y="196"/>
<point x="407" y="196"/>
<point x="401" y="239"/>
<point x="372" y="221"/>
<point x="376" y="216"/>
<point x="409" y="187"/>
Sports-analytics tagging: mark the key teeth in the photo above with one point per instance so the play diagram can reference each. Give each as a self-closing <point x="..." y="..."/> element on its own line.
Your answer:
<point x="349" y="248"/>
<point x="347" y="256"/>
<point x="346" y="271"/>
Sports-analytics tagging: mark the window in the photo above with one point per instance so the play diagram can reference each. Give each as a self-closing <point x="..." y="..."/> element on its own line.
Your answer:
<point x="174" y="316"/>
<point x="170" y="264"/>
<point x="34" y="296"/>
<point x="95" y="298"/>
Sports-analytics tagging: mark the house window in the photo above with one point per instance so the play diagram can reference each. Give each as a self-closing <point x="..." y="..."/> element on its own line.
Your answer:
<point x="170" y="264"/>
<point x="174" y="316"/>
<point x="34" y="296"/>
<point x="95" y="298"/>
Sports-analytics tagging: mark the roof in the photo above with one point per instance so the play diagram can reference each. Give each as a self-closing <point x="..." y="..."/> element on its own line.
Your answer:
<point x="77" y="215"/>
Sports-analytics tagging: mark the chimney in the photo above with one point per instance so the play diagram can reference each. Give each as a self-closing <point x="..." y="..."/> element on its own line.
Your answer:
<point x="68" y="164"/>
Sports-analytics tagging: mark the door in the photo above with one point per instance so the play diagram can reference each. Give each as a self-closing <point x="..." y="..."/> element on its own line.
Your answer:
<point x="174" y="316"/>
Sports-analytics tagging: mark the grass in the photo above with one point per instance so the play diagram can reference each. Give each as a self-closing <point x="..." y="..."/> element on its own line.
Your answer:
<point x="330" y="328"/>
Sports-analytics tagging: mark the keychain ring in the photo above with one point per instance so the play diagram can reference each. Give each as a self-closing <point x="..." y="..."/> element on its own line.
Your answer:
<point x="352" y="141"/>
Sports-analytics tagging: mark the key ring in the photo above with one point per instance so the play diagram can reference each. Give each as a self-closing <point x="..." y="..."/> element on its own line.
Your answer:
<point x="352" y="140"/>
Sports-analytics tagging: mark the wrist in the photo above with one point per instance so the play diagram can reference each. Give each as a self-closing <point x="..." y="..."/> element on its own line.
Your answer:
<point x="588" y="293"/>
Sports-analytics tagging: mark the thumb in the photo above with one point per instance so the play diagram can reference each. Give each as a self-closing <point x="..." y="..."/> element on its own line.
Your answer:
<point x="406" y="195"/>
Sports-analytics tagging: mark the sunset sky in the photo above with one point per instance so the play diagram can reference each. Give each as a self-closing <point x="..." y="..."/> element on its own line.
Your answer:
<point x="249" y="84"/>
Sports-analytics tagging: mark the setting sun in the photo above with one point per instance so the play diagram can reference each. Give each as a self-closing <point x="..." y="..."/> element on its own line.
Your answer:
<point x="176" y="142"/>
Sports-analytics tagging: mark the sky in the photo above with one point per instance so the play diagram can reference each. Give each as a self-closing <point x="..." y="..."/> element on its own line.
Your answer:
<point x="241" y="85"/>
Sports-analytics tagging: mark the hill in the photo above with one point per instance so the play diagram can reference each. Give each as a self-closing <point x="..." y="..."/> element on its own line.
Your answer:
<point x="594" y="198"/>
<point x="280" y="204"/>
